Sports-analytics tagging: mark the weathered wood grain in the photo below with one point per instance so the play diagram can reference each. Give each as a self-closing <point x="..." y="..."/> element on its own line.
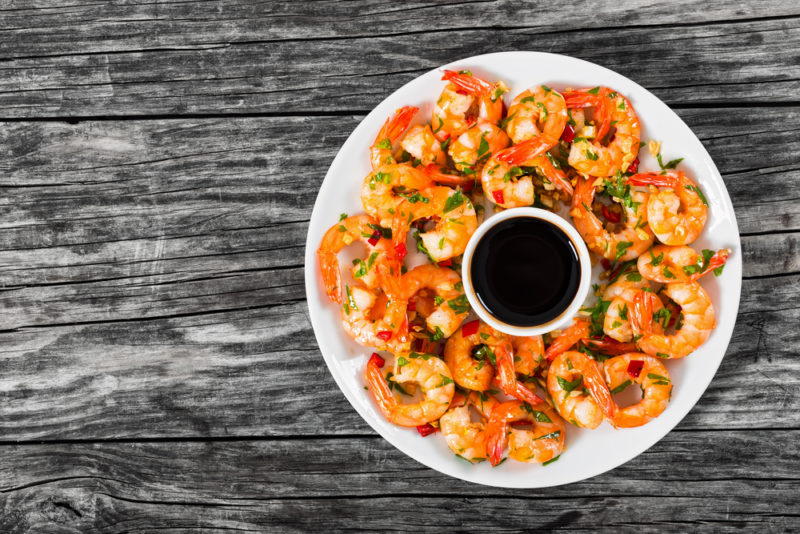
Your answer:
<point x="263" y="484"/>
<point x="257" y="62"/>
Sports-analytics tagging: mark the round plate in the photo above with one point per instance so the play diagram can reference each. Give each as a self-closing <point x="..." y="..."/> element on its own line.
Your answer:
<point x="588" y="452"/>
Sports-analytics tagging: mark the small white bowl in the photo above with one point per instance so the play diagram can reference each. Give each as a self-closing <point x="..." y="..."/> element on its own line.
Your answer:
<point x="585" y="265"/>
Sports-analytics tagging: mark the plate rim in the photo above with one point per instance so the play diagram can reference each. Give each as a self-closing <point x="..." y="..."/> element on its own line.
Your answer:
<point x="310" y="273"/>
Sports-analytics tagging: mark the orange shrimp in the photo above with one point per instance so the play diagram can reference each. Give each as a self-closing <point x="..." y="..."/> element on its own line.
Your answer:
<point x="625" y="244"/>
<point x="537" y="111"/>
<point x="428" y="372"/>
<point x="453" y="306"/>
<point x="566" y="374"/>
<point x="669" y="264"/>
<point x="678" y="212"/>
<point x="503" y="180"/>
<point x="543" y="442"/>
<point x="591" y="156"/>
<point x="420" y="142"/>
<point x="475" y="146"/>
<point x="349" y="230"/>
<point x="651" y="375"/>
<point x="464" y="437"/>
<point x="464" y="101"/>
<point x="381" y="149"/>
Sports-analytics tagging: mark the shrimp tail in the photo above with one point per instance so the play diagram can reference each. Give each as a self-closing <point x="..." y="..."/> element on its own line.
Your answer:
<point x="395" y="125"/>
<point x="331" y="276"/>
<point x="495" y="436"/>
<point x="642" y="313"/>
<point x="651" y="178"/>
<point x="436" y="174"/>
<point x="579" y="330"/>
<point x="608" y="345"/>
<point x="599" y="390"/>
<point x="526" y="395"/>
<point x="380" y="389"/>
<point x="716" y="261"/>
<point x="466" y="82"/>
<point x="523" y="152"/>
<point x="580" y="99"/>
<point x="556" y="176"/>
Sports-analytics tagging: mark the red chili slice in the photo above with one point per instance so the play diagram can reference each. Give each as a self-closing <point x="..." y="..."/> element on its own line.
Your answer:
<point x="569" y="134"/>
<point x="400" y="250"/>
<point x="412" y="305"/>
<point x="377" y="360"/>
<point x="469" y="186"/>
<point x="498" y="197"/>
<point x="374" y="238"/>
<point x="446" y="263"/>
<point x="634" y="166"/>
<point x="385" y="335"/>
<point x="635" y="367"/>
<point x="470" y="328"/>
<point x="615" y="272"/>
<point x="606" y="264"/>
<point x="610" y="215"/>
<point x="519" y="423"/>
<point x="426" y="429"/>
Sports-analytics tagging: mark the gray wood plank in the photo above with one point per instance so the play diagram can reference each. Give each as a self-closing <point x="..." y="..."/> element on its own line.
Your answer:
<point x="364" y="483"/>
<point x="274" y="59"/>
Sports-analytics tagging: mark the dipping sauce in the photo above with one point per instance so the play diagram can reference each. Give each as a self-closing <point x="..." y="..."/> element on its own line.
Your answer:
<point x="525" y="271"/>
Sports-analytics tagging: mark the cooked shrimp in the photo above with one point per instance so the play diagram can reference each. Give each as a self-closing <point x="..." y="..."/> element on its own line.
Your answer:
<point x="389" y="182"/>
<point x="473" y="147"/>
<point x="465" y="438"/>
<point x="465" y="100"/>
<point x="528" y="353"/>
<point x="420" y="142"/>
<point x="620" y="294"/>
<point x="651" y="375"/>
<point x="428" y="372"/>
<point x="347" y="231"/>
<point x="698" y="315"/>
<point x="578" y="390"/>
<point x="381" y="149"/>
<point x="373" y="319"/>
<point x="677" y="213"/>
<point x="625" y="244"/>
<point x="593" y="157"/>
<point x="667" y="264"/>
<point x="474" y="371"/>
<point x="543" y="442"/>
<point x="504" y="182"/>
<point x="455" y="216"/>
<point x="495" y="357"/>
<point x="537" y="111"/>
<point x="453" y="306"/>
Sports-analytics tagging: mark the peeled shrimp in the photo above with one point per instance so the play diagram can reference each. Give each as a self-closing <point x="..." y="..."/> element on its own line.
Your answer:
<point x="676" y="213"/>
<point x="428" y="372"/>
<point x="455" y="216"/>
<point x="473" y="147"/>
<point x="464" y="101"/>
<point x="528" y="353"/>
<point x="667" y="264"/>
<point x="464" y="437"/>
<point x="620" y="294"/>
<point x="347" y="231"/>
<point x="503" y="180"/>
<point x="373" y="319"/>
<point x="698" y="315"/>
<point x="570" y="377"/>
<point x="453" y="306"/>
<point x="625" y="244"/>
<point x="543" y="442"/>
<point x="420" y="142"/>
<point x="651" y="375"/>
<point x="579" y="329"/>
<point x="592" y="157"/>
<point x="537" y="111"/>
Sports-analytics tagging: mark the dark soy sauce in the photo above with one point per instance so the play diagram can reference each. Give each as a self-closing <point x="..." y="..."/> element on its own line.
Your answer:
<point x="525" y="271"/>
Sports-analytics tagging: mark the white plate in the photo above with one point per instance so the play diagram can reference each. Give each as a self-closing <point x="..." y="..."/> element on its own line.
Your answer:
<point x="588" y="452"/>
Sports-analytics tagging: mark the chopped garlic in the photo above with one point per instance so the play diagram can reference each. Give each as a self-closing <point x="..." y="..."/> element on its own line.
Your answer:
<point x="654" y="147"/>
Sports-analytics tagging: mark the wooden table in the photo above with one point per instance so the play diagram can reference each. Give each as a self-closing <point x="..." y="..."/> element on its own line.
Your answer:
<point x="158" y="165"/>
